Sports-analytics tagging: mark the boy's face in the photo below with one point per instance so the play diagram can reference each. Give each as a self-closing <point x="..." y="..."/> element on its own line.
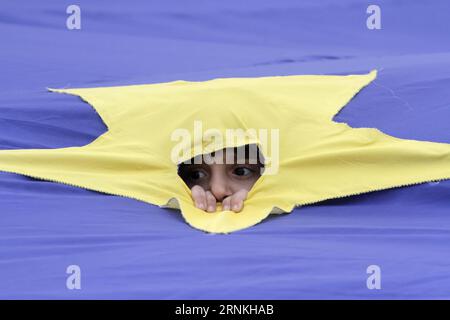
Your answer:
<point x="224" y="179"/>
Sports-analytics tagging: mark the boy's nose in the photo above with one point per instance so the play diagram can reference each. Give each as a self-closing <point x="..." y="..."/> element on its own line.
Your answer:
<point x="219" y="189"/>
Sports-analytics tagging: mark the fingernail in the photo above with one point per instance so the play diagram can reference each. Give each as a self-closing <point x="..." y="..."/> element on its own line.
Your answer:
<point x="225" y="208"/>
<point x="210" y="208"/>
<point x="200" y="206"/>
<point x="237" y="206"/>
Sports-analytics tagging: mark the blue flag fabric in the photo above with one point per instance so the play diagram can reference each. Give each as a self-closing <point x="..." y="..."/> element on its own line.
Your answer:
<point x="129" y="249"/>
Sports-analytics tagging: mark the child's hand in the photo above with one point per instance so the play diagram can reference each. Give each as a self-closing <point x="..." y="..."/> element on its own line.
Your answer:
<point x="205" y="200"/>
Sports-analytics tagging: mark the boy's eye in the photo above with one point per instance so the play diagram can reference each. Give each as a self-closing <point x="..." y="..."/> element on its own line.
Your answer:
<point x="196" y="174"/>
<point x="242" y="171"/>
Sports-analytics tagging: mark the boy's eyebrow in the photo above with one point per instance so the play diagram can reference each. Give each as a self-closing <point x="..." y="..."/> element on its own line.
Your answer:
<point x="192" y="165"/>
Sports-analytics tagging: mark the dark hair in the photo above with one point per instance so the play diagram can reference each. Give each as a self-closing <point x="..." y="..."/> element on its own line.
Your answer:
<point x="249" y="150"/>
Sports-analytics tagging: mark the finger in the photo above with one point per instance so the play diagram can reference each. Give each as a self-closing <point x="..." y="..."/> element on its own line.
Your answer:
<point x="199" y="197"/>
<point x="210" y="201"/>
<point x="226" y="203"/>
<point x="237" y="200"/>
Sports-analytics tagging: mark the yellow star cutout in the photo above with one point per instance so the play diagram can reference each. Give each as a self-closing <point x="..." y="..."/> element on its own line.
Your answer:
<point x="318" y="159"/>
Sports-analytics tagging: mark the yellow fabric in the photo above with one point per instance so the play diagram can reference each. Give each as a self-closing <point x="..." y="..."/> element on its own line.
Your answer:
<point x="318" y="159"/>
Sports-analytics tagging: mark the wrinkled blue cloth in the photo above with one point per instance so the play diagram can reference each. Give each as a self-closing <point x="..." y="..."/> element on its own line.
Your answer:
<point x="128" y="249"/>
